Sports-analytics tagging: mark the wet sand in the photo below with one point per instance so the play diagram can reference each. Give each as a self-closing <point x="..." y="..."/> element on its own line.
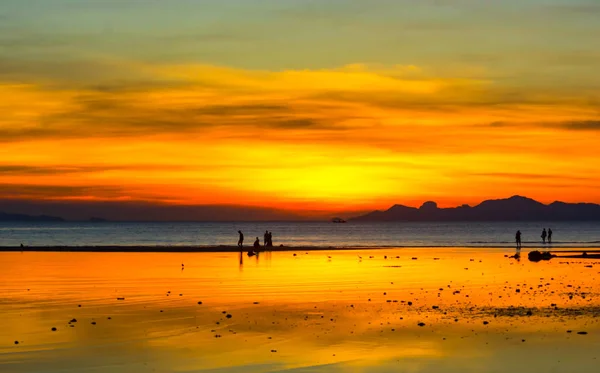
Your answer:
<point x="278" y="248"/>
<point x="386" y="310"/>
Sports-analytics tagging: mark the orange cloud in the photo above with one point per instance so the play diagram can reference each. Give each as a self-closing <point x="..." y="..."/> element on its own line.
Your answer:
<point x="354" y="137"/>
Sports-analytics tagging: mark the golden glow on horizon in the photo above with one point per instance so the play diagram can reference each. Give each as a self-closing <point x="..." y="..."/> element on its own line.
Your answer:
<point x="354" y="137"/>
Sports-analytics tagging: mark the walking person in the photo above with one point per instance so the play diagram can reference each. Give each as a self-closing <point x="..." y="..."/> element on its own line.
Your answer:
<point x="544" y="234"/>
<point x="270" y="240"/>
<point x="266" y="238"/>
<point x="518" y="240"/>
<point x="549" y="235"/>
<point x="241" y="240"/>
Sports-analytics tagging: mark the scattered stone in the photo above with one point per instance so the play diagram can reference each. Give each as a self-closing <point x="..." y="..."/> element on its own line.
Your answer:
<point x="421" y="324"/>
<point x="582" y="333"/>
<point x="273" y="350"/>
<point x="485" y="322"/>
<point x="120" y="298"/>
<point x="53" y="329"/>
<point x="93" y="323"/>
<point x="199" y="302"/>
<point x="16" y="342"/>
<point x="228" y="316"/>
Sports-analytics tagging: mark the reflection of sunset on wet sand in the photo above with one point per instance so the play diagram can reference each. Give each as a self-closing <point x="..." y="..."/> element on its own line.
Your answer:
<point x="315" y="311"/>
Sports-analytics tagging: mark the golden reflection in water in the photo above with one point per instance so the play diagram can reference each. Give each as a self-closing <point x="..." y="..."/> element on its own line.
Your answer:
<point x="311" y="311"/>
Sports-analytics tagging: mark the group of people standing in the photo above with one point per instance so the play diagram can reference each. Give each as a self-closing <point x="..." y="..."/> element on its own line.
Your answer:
<point x="545" y="235"/>
<point x="268" y="240"/>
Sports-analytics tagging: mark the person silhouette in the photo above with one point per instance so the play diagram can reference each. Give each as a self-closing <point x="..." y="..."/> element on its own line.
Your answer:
<point x="241" y="240"/>
<point x="266" y="238"/>
<point x="256" y="244"/>
<point x="544" y="234"/>
<point x="518" y="240"/>
<point x="549" y="235"/>
<point x="270" y="243"/>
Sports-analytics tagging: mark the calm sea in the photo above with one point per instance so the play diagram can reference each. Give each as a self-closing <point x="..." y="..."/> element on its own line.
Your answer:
<point x="484" y="234"/>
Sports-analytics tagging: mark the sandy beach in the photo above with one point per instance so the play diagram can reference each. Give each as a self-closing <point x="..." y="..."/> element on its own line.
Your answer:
<point x="417" y="310"/>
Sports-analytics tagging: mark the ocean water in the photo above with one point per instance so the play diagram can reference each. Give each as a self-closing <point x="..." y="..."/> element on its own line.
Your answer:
<point x="317" y="234"/>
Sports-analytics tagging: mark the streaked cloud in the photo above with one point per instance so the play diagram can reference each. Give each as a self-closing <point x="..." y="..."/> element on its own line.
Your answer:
<point x="303" y="104"/>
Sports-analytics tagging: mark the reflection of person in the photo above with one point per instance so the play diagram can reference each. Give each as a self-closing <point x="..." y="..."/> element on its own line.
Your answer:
<point x="549" y="235"/>
<point x="518" y="240"/>
<point x="544" y="235"/>
<point x="241" y="240"/>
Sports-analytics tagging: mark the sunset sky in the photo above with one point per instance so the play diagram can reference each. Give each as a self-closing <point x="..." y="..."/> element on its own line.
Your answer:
<point x="302" y="105"/>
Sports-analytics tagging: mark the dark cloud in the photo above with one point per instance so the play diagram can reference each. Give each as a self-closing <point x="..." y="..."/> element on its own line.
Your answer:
<point x="526" y="176"/>
<point x="585" y="125"/>
<point x="25" y="170"/>
<point x="574" y="125"/>
<point x="142" y="210"/>
<point x="111" y="113"/>
<point x="57" y="191"/>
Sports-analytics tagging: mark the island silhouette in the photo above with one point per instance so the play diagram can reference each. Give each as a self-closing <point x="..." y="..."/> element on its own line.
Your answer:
<point x="29" y="218"/>
<point x="515" y="208"/>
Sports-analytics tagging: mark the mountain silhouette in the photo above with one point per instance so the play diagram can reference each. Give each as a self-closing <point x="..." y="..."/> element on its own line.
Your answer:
<point x="515" y="208"/>
<point x="28" y="218"/>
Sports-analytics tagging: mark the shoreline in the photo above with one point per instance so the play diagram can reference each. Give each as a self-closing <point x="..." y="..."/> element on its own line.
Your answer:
<point x="235" y="249"/>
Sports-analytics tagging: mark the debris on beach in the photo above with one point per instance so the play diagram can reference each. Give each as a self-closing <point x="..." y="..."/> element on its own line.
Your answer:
<point x="536" y="256"/>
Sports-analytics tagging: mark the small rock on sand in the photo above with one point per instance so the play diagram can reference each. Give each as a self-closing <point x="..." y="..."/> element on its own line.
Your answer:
<point x="582" y="333"/>
<point x="16" y="342"/>
<point x="53" y="329"/>
<point x="421" y="324"/>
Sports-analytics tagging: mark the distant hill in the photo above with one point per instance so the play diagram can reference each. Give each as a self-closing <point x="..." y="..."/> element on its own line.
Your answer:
<point x="515" y="208"/>
<point x="21" y="217"/>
